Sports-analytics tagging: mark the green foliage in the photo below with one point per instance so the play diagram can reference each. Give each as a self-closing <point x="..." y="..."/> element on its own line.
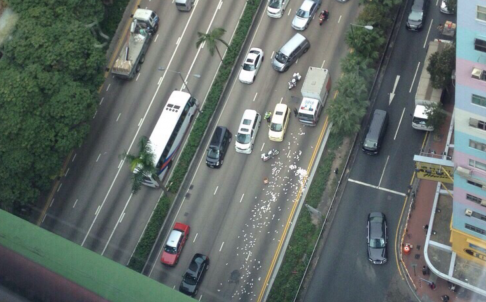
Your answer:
<point x="143" y="162"/>
<point x="49" y="76"/>
<point x="436" y="115"/>
<point x="441" y="65"/>
<point x="368" y="43"/>
<point x="112" y="17"/>
<point x="145" y="245"/>
<point x="388" y="4"/>
<point x="377" y="15"/>
<point x="353" y="62"/>
<point x="210" y="39"/>
<point x="451" y="5"/>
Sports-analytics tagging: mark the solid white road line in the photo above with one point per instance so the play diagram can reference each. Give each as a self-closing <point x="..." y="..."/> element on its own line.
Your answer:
<point x="59" y="187"/>
<point x="108" y="88"/>
<point x="384" y="168"/>
<point x="74" y="156"/>
<point x="52" y="201"/>
<point x="221" y="246"/>
<point x="216" y="190"/>
<point x="375" y="187"/>
<point x="241" y="199"/>
<point x="178" y="41"/>
<point x="255" y="96"/>
<point x="339" y="20"/>
<point x="98" y="157"/>
<point x="323" y="62"/>
<point x="66" y="172"/>
<point x="399" y="123"/>
<point x="273" y="52"/>
<point x="116" y="225"/>
<point x="75" y="203"/>
<point x="97" y="210"/>
<point x="281" y="100"/>
<point x="413" y="81"/>
<point x="138" y="75"/>
<point x="121" y="164"/>
<point x="262" y="147"/>
<point x="195" y="238"/>
<point x="119" y="114"/>
<point x="102" y="99"/>
<point x="140" y="123"/>
<point x="155" y="40"/>
<point x="428" y="32"/>
<point x="160" y="81"/>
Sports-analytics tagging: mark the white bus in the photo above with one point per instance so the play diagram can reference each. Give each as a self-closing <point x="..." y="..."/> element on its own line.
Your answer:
<point x="167" y="136"/>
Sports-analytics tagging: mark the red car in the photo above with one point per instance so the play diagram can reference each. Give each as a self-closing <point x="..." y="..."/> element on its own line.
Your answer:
<point x="175" y="243"/>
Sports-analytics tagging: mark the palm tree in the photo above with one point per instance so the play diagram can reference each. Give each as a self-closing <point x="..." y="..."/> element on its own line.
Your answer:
<point x="142" y="164"/>
<point x="210" y="39"/>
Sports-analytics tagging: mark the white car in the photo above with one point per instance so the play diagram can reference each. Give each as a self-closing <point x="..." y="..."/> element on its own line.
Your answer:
<point x="249" y="126"/>
<point x="444" y="9"/>
<point x="251" y="66"/>
<point x="280" y="121"/>
<point x="305" y="14"/>
<point x="276" y="8"/>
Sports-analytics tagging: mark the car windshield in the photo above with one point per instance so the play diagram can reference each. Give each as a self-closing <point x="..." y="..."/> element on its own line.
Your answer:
<point x="170" y="249"/>
<point x="303" y="13"/>
<point x="377" y="243"/>
<point x="419" y="121"/>
<point x="370" y="143"/>
<point x="189" y="278"/>
<point x="243" y="138"/>
<point x="276" y="127"/>
<point x="306" y="117"/>
<point x="249" y="67"/>
<point x="281" y="57"/>
<point x="415" y="15"/>
<point x="274" y="4"/>
<point x="213" y="153"/>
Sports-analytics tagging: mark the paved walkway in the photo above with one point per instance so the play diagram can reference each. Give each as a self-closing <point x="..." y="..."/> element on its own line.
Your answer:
<point x="415" y="235"/>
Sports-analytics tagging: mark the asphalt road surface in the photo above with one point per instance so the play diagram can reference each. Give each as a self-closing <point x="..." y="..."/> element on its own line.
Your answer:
<point x="93" y="205"/>
<point x="235" y="218"/>
<point x="377" y="183"/>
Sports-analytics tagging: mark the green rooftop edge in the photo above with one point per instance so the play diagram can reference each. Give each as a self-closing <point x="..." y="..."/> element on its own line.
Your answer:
<point x="88" y="269"/>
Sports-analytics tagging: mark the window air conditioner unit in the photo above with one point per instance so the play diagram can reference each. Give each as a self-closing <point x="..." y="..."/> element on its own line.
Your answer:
<point x="483" y="202"/>
<point x="468" y="212"/>
<point x="476" y="73"/>
<point x="463" y="172"/>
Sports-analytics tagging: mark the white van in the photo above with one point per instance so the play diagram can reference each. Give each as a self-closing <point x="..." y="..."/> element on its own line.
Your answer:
<point x="247" y="131"/>
<point x="280" y="121"/>
<point x="276" y="8"/>
<point x="184" y="5"/>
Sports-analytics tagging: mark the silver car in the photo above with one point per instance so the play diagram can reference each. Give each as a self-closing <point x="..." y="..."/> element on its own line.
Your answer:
<point x="305" y="14"/>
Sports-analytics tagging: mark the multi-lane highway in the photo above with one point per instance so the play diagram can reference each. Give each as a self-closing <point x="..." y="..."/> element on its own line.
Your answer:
<point x="236" y="219"/>
<point x="94" y="205"/>
<point x="377" y="183"/>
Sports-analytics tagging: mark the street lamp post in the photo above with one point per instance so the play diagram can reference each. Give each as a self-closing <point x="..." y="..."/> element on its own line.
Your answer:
<point x="182" y="78"/>
<point x="367" y="27"/>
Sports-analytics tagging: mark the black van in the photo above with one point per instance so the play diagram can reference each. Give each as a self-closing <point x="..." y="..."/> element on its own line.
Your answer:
<point x="218" y="147"/>
<point x="375" y="133"/>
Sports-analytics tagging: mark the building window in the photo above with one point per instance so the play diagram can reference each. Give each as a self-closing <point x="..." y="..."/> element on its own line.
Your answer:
<point x="474" y="183"/>
<point x="479" y="100"/>
<point x="475" y="229"/>
<point x="474" y="198"/>
<point x="481" y="13"/>
<point x="478" y="216"/>
<point x="477" y="164"/>
<point x="477" y="145"/>
<point x="480" y="45"/>
<point x="477" y="123"/>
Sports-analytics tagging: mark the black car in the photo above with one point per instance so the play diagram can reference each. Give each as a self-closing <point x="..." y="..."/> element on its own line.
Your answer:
<point x="416" y="18"/>
<point x="194" y="274"/>
<point x="377" y="238"/>
<point x="218" y="147"/>
<point x="375" y="133"/>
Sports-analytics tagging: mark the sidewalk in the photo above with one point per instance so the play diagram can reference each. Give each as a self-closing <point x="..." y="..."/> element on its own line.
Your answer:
<point x="420" y="216"/>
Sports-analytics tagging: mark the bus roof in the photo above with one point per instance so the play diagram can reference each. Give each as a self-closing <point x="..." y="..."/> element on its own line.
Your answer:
<point x="167" y="122"/>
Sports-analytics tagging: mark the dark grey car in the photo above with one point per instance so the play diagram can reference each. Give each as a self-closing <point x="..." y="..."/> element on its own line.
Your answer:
<point x="194" y="274"/>
<point x="377" y="238"/>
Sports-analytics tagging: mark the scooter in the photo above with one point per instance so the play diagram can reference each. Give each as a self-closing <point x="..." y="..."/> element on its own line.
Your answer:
<point x="295" y="78"/>
<point x="270" y="154"/>
<point x="323" y="17"/>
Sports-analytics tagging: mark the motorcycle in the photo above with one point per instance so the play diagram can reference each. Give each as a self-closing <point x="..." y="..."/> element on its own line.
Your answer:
<point x="295" y="78"/>
<point x="323" y="17"/>
<point x="270" y="154"/>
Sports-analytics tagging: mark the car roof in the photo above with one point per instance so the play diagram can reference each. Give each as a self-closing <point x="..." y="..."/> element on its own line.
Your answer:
<point x="376" y="122"/>
<point x="306" y="5"/>
<point x="174" y="238"/>
<point x="250" y="115"/>
<point x="217" y="135"/>
<point x="278" y="119"/>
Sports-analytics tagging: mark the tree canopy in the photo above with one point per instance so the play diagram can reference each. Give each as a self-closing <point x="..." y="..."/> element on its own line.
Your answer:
<point x="49" y="75"/>
<point x="441" y="65"/>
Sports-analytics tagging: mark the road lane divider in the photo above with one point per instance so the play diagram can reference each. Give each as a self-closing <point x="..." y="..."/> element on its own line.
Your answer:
<point x="376" y="187"/>
<point x="399" y="123"/>
<point x="295" y="203"/>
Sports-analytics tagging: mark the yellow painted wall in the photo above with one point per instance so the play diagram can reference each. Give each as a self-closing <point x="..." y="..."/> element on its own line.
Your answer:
<point x="468" y="247"/>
